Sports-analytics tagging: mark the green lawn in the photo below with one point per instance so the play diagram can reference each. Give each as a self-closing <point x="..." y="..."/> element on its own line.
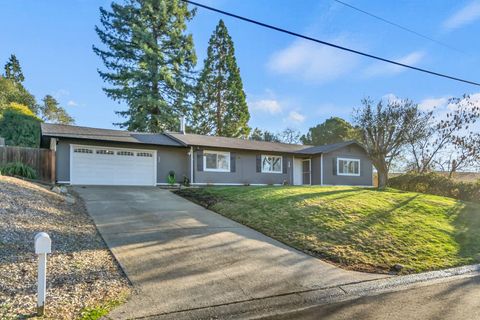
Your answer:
<point x="357" y="228"/>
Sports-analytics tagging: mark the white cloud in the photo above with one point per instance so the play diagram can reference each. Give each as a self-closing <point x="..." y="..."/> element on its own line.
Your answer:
<point x="464" y="16"/>
<point x="312" y="62"/>
<point x="391" y="97"/>
<point x="271" y="106"/>
<point x="383" y="68"/>
<point x="61" y="93"/>
<point x="72" y="103"/>
<point x="296" y="117"/>
<point x="431" y="103"/>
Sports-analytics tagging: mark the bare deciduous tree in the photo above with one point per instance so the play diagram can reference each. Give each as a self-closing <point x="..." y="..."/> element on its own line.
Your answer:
<point x="446" y="143"/>
<point x="386" y="129"/>
<point x="291" y="136"/>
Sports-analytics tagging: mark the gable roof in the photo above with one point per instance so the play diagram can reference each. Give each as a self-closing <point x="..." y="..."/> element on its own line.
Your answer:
<point x="76" y="132"/>
<point x="177" y="139"/>
<point x="234" y="143"/>
<point x="328" y="147"/>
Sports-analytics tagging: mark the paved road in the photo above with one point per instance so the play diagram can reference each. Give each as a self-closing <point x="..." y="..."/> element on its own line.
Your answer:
<point x="452" y="300"/>
<point x="180" y="256"/>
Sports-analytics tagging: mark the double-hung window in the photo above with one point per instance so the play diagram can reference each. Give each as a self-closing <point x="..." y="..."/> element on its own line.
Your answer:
<point x="348" y="167"/>
<point x="216" y="161"/>
<point x="271" y="164"/>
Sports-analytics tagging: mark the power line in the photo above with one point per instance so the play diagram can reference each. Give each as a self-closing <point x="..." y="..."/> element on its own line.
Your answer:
<point x="268" y="26"/>
<point x="397" y="25"/>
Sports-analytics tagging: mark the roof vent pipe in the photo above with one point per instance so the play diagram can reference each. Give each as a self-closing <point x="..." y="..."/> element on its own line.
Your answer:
<point x="182" y="124"/>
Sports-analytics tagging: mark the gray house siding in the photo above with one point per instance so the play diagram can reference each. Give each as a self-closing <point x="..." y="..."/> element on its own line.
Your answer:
<point x="245" y="172"/>
<point x="175" y="159"/>
<point x="62" y="161"/>
<point x="245" y="169"/>
<point x="330" y="176"/>
<point x="316" y="170"/>
<point x="168" y="158"/>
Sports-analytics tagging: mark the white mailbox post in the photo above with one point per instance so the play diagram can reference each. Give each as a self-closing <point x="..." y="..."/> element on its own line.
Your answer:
<point x="43" y="245"/>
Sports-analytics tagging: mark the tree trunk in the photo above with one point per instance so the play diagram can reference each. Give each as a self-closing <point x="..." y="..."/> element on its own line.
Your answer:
<point x="382" y="179"/>
<point x="382" y="172"/>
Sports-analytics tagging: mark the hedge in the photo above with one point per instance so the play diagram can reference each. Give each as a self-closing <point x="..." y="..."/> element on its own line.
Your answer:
<point x="433" y="183"/>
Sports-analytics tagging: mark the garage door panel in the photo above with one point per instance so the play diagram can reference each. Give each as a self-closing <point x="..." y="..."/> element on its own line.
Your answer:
<point x="112" y="166"/>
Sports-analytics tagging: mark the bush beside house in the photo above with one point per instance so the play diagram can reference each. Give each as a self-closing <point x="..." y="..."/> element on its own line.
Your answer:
<point x="18" y="169"/>
<point x="20" y="126"/>
<point x="433" y="183"/>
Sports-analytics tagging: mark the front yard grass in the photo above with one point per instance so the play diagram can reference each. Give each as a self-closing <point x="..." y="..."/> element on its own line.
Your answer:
<point x="357" y="228"/>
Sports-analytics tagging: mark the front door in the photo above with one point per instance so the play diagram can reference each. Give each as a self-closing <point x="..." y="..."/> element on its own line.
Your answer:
<point x="306" y="169"/>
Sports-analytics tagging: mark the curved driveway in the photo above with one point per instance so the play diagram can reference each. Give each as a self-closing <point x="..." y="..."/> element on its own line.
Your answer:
<point x="180" y="256"/>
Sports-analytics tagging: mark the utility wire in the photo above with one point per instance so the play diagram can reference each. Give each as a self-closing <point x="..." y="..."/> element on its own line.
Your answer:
<point x="268" y="26"/>
<point x="396" y="25"/>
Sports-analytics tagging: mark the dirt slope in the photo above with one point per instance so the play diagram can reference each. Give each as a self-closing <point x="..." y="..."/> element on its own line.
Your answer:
<point x="81" y="271"/>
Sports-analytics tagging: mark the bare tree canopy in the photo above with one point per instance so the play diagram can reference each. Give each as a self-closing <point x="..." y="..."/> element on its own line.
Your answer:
<point x="447" y="143"/>
<point x="386" y="127"/>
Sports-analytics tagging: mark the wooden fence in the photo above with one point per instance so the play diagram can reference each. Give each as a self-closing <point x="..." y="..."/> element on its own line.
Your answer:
<point x="42" y="160"/>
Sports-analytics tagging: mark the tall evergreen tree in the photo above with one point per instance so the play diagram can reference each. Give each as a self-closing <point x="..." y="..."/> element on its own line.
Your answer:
<point x="13" y="71"/>
<point x="52" y="112"/>
<point x="149" y="58"/>
<point x="220" y="106"/>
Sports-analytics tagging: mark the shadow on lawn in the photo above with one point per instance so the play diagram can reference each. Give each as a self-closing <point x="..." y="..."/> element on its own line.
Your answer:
<point x="344" y="235"/>
<point x="467" y="226"/>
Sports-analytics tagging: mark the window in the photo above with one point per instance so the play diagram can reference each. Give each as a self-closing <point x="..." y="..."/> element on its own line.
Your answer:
<point x="82" y="150"/>
<point x="216" y="161"/>
<point x="104" y="151"/>
<point x="125" y="153"/>
<point x="144" y="154"/>
<point x="272" y="164"/>
<point x="348" y="167"/>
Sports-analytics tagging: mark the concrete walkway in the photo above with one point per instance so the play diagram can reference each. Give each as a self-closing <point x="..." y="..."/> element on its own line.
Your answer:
<point x="180" y="256"/>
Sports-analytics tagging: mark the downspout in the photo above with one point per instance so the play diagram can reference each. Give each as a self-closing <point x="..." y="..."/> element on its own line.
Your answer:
<point x="191" y="165"/>
<point x="293" y="170"/>
<point x="321" y="169"/>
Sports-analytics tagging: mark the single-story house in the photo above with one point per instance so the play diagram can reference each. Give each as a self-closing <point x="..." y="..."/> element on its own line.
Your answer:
<point x="91" y="156"/>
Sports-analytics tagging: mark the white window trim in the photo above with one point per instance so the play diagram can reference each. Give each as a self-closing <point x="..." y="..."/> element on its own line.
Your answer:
<point x="348" y="174"/>
<point x="225" y="153"/>
<point x="272" y="155"/>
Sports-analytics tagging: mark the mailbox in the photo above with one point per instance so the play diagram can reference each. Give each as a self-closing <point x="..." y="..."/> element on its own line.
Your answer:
<point x="43" y="243"/>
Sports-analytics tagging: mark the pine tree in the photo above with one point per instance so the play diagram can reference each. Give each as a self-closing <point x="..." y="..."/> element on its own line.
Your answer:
<point x="13" y="71"/>
<point x="149" y="58"/>
<point x="53" y="113"/>
<point x="220" y="106"/>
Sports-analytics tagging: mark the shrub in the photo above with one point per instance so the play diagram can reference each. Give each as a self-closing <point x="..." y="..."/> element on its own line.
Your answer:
<point x="18" y="169"/>
<point x="19" y="126"/>
<point x="433" y="183"/>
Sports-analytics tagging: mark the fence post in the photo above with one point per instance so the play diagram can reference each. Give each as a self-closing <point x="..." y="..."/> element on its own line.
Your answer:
<point x="53" y="165"/>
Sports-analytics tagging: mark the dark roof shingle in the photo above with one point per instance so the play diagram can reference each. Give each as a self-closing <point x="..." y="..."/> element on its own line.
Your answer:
<point x="234" y="143"/>
<point x="327" y="147"/>
<point x="76" y="132"/>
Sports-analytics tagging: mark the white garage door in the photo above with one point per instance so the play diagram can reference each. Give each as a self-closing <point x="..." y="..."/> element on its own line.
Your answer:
<point x="112" y="166"/>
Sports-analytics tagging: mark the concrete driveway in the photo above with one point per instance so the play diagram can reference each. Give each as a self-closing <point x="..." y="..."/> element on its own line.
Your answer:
<point x="180" y="256"/>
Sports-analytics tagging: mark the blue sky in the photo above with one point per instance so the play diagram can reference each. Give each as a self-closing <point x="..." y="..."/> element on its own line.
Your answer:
<point x="288" y="82"/>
